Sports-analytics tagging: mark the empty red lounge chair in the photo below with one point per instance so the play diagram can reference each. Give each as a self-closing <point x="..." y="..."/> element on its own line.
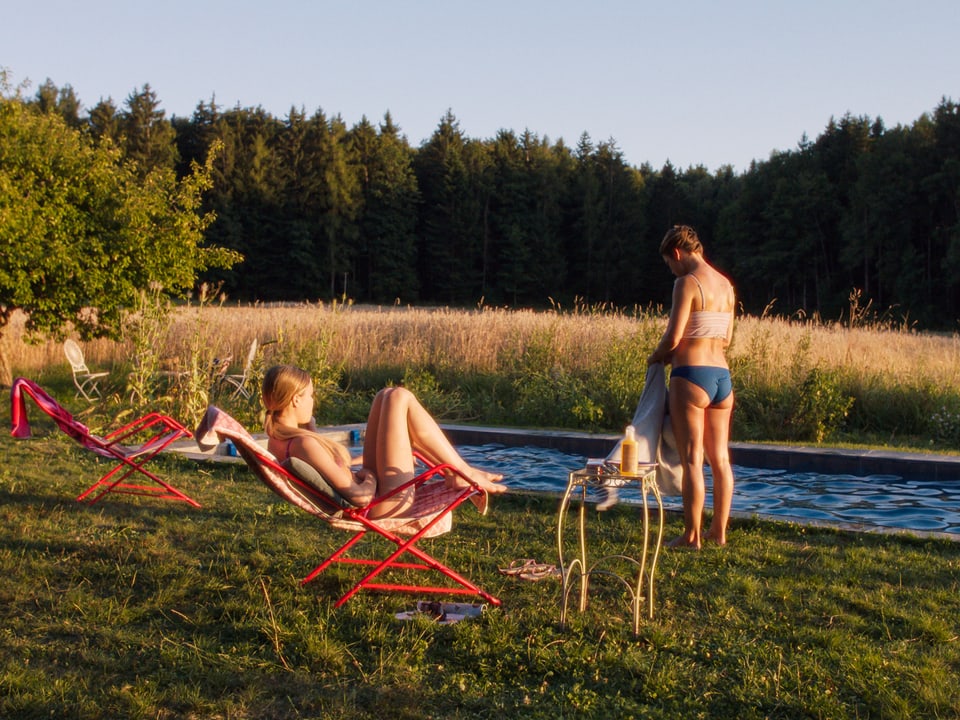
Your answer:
<point x="132" y="445"/>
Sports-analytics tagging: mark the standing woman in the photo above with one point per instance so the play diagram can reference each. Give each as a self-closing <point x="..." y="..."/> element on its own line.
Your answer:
<point x="701" y="393"/>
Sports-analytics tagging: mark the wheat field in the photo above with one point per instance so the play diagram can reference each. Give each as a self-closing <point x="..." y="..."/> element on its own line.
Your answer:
<point x="476" y="340"/>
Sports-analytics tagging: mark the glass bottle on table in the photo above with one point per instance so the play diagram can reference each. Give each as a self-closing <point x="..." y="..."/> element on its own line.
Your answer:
<point x="628" y="452"/>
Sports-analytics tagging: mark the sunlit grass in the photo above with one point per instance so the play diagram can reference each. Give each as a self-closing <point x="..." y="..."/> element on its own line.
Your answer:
<point x="140" y="608"/>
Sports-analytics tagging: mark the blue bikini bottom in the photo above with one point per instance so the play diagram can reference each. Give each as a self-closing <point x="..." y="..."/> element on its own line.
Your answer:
<point x="715" y="381"/>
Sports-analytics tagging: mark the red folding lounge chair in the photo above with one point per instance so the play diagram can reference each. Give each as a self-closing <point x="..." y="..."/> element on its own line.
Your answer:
<point x="430" y="515"/>
<point x="158" y="430"/>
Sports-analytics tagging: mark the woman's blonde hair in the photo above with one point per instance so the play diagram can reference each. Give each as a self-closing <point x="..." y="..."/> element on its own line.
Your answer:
<point x="281" y="384"/>
<point x="683" y="237"/>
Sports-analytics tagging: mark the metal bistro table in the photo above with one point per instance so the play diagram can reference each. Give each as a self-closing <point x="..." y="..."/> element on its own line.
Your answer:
<point x="597" y="475"/>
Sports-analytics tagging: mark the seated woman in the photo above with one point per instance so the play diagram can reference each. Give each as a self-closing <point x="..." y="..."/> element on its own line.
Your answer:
<point x="396" y="426"/>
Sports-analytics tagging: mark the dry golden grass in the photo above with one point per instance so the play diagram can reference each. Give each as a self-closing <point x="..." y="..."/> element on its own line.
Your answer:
<point x="863" y="351"/>
<point x="361" y="337"/>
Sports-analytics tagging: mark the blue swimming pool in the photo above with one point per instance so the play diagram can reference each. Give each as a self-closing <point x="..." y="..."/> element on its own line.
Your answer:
<point x="882" y="501"/>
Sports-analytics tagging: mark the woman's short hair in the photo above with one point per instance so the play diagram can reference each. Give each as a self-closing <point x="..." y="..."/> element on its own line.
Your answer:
<point x="683" y="237"/>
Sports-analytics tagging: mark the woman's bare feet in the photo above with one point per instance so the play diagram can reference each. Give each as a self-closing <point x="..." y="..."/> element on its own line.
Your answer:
<point x="488" y="483"/>
<point x="487" y="480"/>
<point x="479" y="475"/>
<point x="685" y="543"/>
<point x="719" y="540"/>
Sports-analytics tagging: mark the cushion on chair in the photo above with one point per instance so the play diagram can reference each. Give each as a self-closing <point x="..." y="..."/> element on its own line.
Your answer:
<point x="308" y="474"/>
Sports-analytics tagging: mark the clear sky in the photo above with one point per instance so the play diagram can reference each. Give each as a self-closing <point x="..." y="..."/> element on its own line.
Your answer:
<point x="695" y="82"/>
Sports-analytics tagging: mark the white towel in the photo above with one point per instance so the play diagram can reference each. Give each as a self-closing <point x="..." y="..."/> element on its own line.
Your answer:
<point x="669" y="470"/>
<point x="655" y="441"/>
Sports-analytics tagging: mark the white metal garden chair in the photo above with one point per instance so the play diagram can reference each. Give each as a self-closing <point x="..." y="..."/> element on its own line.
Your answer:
<point x="88" y="383"/>
<point x="239" y="382"/>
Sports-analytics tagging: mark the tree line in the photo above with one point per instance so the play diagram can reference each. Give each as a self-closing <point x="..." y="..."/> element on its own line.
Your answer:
<point x="320" y="210"/>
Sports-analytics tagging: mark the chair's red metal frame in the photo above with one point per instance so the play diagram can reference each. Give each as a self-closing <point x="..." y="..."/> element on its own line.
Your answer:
<point x="159" y="430"/>
<point x="403" y="533"/>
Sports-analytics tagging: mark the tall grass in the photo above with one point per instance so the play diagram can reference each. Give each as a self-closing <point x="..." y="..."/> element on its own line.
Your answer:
<point x="582" y="367"/>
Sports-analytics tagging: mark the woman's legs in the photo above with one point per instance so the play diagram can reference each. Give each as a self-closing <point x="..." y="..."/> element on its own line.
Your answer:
<point x="687" y="404"/>
<point x="716" y="445"/>
<point x="387" y="451"/>
<point x="702" y="430"/>
<point x="397" y="425"/>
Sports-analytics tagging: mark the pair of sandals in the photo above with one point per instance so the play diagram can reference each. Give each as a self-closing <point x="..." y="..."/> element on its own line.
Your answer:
<point x="530" y="569"/>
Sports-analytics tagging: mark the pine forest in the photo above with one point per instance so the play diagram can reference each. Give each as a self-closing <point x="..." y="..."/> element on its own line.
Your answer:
<point x="861" y="214"/>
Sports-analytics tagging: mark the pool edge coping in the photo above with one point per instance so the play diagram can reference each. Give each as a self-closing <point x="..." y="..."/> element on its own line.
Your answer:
<point x="823" y="460"/>
<point x="828" y="461"/>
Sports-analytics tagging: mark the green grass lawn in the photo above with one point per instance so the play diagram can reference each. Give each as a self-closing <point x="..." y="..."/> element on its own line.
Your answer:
<point x="137" y="608"/>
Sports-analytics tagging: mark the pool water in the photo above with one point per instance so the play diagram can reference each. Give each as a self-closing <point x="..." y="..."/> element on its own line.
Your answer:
<point x="883" y="501"/>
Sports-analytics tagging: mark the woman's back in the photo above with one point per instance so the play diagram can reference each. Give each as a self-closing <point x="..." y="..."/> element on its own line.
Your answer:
<point x="710" y="321"/>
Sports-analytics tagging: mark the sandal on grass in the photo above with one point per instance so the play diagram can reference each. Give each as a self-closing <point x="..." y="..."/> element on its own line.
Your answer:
<point x="538" y="572"/>
<point x="517" y="566"/>
<point x="529" y="569"/>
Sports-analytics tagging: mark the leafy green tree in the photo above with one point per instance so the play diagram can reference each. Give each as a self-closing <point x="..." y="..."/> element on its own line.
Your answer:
<point x="81" y="234"/>
<point x="742" y="230"/>
<point x="876" y="227"/>
<point x="512" y="218"/>
<point x="622" y="258"/>
<point x="800" y="217"/>
<point x="665" y="199"/>
<point x="339" y="205"/>
<point x="286" y="198"/>
<point x="525" y="218"/>
<point x="320" y="202"/>
<point x="712" y="198"/>
<point x="195" y="134"/>
<point x="942" y="187"/>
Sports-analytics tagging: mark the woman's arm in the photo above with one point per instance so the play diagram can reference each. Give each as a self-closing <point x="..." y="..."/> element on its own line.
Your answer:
<point x="733" y="313"/>
<point x="679" y="314"/>
<point x="360" y="487"/>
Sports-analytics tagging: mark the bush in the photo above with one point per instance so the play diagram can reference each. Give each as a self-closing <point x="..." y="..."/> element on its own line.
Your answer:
<point x="821" y="408"/>
<point x="621" y="369"/>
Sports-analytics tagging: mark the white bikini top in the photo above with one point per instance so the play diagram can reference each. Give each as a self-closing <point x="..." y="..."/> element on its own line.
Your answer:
<point x="707" y="323"/>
